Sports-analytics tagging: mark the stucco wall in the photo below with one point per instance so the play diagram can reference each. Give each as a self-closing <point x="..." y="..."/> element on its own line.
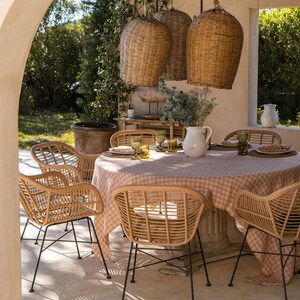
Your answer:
<point x="237" y="107"/>
<point x="231" y="111"/>
<point x="19" y="20"/>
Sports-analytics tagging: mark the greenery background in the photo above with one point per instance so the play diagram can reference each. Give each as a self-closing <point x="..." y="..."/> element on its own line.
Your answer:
<point x="78" y="42"/>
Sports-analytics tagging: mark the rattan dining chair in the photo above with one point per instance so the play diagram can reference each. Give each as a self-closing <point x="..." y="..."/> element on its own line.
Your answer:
<point x="160" y="216"/>
<point x="260" y="137"/>
<point x="277" y="215"/>
<point x="122" y="137"/>
<point x="47" y="205"/>
<point x="60" y="157"/>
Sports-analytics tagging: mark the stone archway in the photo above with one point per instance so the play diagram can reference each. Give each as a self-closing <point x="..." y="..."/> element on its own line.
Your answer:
<point x="19" y="20"/>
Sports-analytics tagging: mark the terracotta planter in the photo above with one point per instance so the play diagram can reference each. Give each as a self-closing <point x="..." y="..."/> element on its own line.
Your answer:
<point x="91" y="138"/>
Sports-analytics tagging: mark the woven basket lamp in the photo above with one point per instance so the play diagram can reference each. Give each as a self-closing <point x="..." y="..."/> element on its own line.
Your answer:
<point x="144" y="49"/>
<point x="214" y="46"/>
<point x="178" y="23"/>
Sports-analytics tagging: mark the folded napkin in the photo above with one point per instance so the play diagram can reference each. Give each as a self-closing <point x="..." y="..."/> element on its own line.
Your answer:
<point x="230" y="142"/>
<point x="274" y="148"/>
<point x="122" y="150"/>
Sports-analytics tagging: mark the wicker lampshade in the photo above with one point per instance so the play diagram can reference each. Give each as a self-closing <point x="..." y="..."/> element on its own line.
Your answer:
<point x="214" y="46"/>
<point x="144" y="49"/>
<point x="178" y="23"/>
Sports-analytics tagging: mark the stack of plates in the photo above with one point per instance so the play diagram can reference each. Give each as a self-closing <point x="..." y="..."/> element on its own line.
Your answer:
<point x="121" y="150"/>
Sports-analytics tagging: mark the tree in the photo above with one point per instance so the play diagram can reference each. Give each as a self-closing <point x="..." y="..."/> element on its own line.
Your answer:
<point x="100" y="81"/>
<point x="53" y="62"/>
<point x="279" y="63"/>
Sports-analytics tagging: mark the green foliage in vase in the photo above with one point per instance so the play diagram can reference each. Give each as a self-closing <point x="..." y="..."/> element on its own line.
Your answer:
<point x="191" y="108"/>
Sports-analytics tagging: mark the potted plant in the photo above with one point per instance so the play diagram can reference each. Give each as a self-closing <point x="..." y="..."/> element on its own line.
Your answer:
<point x="191" y="109"/>
<point x="103" y="90"/>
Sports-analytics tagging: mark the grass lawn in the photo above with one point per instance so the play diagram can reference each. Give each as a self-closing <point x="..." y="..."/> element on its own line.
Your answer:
<point x="45" y="126"/>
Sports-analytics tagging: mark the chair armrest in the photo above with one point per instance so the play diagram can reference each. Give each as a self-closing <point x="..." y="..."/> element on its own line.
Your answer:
<point x="254" y="210"/>
<point x="72" y="174"/>
<point x="49" y="179"/>
<point x="74" y="202"/>
<point x="86" y="164"/>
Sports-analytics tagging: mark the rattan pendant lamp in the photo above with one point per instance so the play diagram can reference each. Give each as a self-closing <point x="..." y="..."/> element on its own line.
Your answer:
<point x="178" y="23"/>
<point x="144" y="49"/>
<point x="214" y="46"/>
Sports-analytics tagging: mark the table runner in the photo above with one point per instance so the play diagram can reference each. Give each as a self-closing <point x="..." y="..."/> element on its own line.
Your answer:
<point x="222" y="173"/>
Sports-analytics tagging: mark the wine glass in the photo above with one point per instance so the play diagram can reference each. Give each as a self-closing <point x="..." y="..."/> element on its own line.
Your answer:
<point x="136" y="144"/>
<point x="160" y="136"/>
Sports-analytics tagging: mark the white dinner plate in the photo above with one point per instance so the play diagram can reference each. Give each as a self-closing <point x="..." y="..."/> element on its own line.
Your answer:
<point x="121" y="150"/>
<point x="274" y="152"/>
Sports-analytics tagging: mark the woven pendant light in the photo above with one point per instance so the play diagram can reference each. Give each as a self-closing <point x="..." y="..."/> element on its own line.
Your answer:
<point x="214" y="46"/>
<point x="178" y="23"/>
<point x="144" y="49"/>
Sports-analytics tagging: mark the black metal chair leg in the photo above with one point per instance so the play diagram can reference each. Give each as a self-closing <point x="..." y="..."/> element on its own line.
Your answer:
<point x="75" y="239"/>
<point x="38" y="236"/>
<point x="203" y="258"/>
<point x="23" y="232"/>
<point x="97" y="240"/>
<point x="238" y="259"/>
<point x="191" y="271"/>
<point x="38" y="261"/>
<point x="282" y="270"/>
<point x="127" y="271"/>
<point x="134" y="264"/>
<point x="66" y="228"/>
<point x="295" y="258"/>
<point x="89" y="227"/>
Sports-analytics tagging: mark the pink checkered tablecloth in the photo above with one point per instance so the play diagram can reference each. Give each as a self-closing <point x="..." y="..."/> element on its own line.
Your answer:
<point x="221" y="172"/>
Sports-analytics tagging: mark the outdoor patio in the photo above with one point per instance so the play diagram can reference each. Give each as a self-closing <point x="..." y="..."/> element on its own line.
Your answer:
<point x="62" y="276"/>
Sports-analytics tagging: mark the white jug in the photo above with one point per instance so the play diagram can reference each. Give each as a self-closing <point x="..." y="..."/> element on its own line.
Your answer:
<point x="195" y="144"/>
<point x="269" y="117"/>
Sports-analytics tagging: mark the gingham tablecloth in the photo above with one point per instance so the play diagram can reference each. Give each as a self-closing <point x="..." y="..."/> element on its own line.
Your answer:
<point x="221" y="172"/>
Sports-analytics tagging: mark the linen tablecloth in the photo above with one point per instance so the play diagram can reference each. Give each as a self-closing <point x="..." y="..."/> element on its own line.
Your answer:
<point x="221" y="172"/>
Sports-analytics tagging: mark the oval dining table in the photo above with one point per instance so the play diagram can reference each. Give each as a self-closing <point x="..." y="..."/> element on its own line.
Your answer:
<point x="223" y="173"/>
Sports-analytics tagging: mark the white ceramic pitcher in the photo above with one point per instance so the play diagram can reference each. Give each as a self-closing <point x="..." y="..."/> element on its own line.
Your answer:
<point x="269" y="117"/>
<point x="195" y="144"/>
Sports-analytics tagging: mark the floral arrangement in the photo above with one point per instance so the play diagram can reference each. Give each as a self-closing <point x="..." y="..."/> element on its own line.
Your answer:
<point x="191" y="108"/>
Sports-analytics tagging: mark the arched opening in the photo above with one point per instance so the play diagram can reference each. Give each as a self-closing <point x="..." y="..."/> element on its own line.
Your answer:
<point x="19" y="20"/>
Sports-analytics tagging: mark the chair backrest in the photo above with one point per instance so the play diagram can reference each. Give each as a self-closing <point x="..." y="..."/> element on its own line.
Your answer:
<point x="54" y="153"/>
<point x="34" y="194"/>
<point x="278" y="213"/>
<point x="159" y="215"/>
<point x="122" y="138"/>
<point x="48" y="199"/>
<point x="260" y="137"/>
<point x="60" y="157"/>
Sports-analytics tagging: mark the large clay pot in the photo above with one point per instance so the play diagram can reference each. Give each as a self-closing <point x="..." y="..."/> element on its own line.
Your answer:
<point x="91" y="137"/>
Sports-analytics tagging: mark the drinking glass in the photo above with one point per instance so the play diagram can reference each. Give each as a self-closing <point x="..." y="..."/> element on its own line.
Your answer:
<point x="172" y="145"/>
<point x="136" y="144"/>
<point x="242" y="137"/>
<point x="160" y="138"/>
